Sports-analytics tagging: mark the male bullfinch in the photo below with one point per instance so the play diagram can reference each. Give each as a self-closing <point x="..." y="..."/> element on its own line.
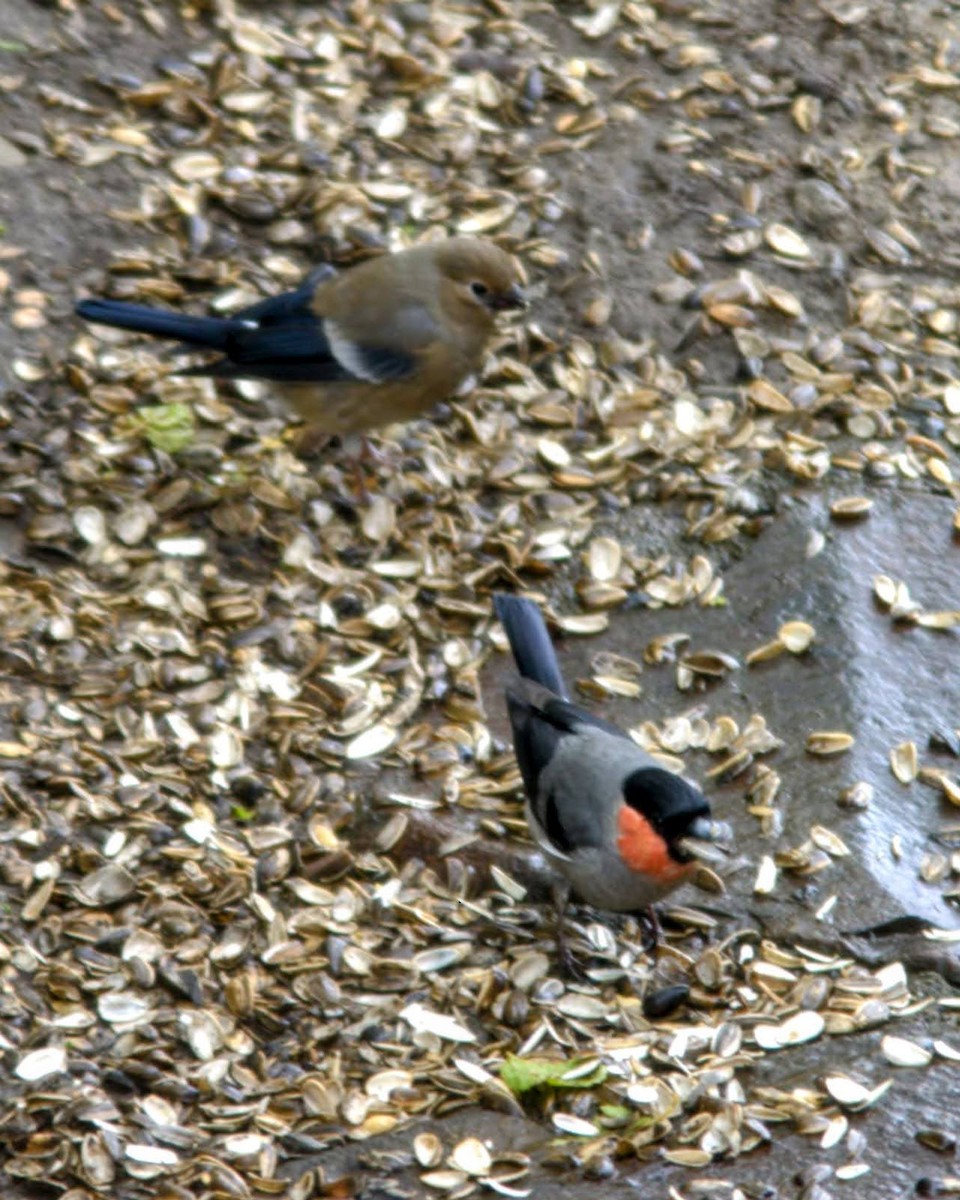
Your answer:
<point x="619" y="828"/>
<point x="380" y="343"/>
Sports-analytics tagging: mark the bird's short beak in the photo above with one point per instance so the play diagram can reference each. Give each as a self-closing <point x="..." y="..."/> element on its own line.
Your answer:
<point x="704" y="840"/>
<point x="513" y="297"/>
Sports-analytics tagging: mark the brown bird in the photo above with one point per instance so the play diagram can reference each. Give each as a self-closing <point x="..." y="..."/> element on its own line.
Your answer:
<point x="380" y="343"/>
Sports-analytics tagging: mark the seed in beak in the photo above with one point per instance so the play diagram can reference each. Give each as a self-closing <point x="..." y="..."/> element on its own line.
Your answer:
<point x="703" y="851"/>
<point x="701" y="841"/>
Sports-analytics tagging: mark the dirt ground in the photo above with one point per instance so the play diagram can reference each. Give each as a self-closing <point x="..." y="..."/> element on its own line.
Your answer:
<point x="669" y="170"/>
<point x="625" y="197"/>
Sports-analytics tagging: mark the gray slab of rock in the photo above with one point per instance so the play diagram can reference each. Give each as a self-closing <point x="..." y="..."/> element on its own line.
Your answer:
<point x="884" y="683"/>
<point x="10" y="155"/>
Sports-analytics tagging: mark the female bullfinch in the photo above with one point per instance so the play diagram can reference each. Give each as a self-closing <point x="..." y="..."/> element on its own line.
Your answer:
<point x="382" y="342"/>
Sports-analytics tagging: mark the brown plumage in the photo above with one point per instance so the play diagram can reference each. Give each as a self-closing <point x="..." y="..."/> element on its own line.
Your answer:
<point x="380" y="343"/>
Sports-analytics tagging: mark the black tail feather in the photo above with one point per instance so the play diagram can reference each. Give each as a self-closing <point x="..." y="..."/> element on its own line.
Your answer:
<point x="211" y="333"/>
<point x="530" y="641"/>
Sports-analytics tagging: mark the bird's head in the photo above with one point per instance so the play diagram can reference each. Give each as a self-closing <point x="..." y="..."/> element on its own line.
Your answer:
<point x="663" y="824"/>
<point x="482" y="280"/>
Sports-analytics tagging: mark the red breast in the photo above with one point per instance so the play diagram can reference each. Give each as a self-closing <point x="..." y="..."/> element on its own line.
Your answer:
<point x="644" y="850"/>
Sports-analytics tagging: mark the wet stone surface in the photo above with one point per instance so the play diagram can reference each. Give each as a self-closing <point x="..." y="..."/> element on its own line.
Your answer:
<point x="884" y="682"/>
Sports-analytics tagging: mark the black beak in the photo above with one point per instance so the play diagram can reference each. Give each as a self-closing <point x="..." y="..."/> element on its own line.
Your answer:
<point x="513" y="297"/>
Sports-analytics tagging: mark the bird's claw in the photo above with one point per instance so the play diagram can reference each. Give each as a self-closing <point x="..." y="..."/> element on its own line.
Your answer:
<point x="571" y="968"/>
<point x="651" y="933"/>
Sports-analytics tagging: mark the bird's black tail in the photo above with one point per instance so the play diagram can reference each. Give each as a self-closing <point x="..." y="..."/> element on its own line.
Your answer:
<point x="212" y="333"/>
<point x="530" y="642"/>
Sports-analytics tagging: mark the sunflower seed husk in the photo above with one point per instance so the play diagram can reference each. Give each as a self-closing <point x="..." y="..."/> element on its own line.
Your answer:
<point x="901" y="1052"/>
<point x="471" y="1156"/>
<point x="766" y="880"/>
<point x="829" y="742"/>
<point x="574" y="1126"/>
<point x="936" y="1139"/>
<point x="846" y="1091"/>
<point x="38" y="1064"/>
<point x="786" y="241"/>
<point x="904" y="761"/>
<point x="796" y="636"/>
<point x="850" y="508"/>
<point x="857" y="796"/>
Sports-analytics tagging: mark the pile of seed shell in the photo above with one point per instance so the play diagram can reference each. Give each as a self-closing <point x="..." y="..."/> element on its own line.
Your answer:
<point x="205" y="640"/>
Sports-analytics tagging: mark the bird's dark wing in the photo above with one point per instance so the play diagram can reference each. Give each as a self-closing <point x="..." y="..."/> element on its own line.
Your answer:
<point x="274" y="309"/>
<point x="389" y="351"/>
<point x="282" y="339"/>
<point x="542" y="723"/>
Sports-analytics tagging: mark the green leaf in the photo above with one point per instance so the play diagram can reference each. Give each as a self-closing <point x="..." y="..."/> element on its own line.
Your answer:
<point x="616" y="1112"/>
<point x="524" y="1074"/>
<point x="167" y="427"/>
<point x="13" y="47"/>
<point x="242" y="813"/>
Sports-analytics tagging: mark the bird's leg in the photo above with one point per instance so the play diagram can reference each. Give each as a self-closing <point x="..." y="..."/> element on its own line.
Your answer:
<point x="357" y="456"/>
<point x="366" y="454"/>
<point x="570" y="968"/>
<point x="651" y="933"/>
<point x="373" y="454"/>
<point x="311" y="442"/>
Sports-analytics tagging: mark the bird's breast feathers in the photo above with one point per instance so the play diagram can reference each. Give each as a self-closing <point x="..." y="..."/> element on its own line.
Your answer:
<point x="644" y="850"/>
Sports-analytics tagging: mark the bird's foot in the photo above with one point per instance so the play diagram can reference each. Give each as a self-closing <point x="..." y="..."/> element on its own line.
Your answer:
<point x="367" y="455"/>
<point x="361" y="459"/>
<point x="651" y="933"/>
<point x="571" y="968"/>
<point x="378" y="455"/>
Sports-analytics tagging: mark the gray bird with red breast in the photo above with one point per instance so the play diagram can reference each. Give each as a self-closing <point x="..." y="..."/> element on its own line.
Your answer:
<point x="622" y="830"/>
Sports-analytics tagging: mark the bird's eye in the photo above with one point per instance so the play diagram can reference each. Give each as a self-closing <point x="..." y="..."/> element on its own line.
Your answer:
<point x="479" y="290"/>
